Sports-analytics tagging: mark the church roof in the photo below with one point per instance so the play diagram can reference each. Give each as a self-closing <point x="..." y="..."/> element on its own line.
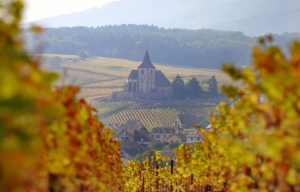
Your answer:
<point x="146" y="62"/>
<point x="133" y="74"/>
<point x="161" y="80"/>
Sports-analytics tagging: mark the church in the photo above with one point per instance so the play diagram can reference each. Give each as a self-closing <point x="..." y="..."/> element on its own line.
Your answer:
<point x="145" y="82"/>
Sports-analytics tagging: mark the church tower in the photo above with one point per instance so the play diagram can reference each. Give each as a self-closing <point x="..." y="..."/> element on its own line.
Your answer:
<point x="146" y="75"/>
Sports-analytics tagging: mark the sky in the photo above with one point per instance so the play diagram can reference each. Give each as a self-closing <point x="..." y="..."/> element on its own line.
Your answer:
<point x="39" y="9"/>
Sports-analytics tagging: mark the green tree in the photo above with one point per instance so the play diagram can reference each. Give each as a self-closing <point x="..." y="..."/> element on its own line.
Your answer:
<point x="255" y="143"/>
<point x="193" y="89"/>
<point x="158" y="146"/>
<point x="213" y="89"/>
<point x="82" y="55"/>
<point x="146" y="154"/>
<point x="178" y="88"/>
<point x="49" y="139"/>
<point x="174" y="145"/>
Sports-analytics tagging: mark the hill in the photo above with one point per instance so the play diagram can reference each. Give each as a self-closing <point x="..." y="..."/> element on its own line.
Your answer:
<point x="181" y="47"/>
<point x="254" y="18"/>
<point x="99" y="77"/>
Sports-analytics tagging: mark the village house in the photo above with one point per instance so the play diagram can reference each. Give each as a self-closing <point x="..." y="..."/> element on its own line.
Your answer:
<point x="135" y="133"/>
<point x="194" y="137"/>
<point x="134" y="139"/>
<point x="162" y="133"/>
<point x="185" y="121"/>
<point x="130" y="149"/>
<point x="130" y="129"/>
<point x="145" y="82"/>
<point x="177" y="138"/>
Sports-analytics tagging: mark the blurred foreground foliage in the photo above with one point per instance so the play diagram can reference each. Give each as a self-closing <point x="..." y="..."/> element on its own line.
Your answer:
<point x="253" y="145"/>
<point x="49" y="140"/>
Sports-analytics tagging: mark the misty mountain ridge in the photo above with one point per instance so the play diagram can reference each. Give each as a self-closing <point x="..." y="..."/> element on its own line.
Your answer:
<point x="205" y="48"/>
<point x="252" y="17"/>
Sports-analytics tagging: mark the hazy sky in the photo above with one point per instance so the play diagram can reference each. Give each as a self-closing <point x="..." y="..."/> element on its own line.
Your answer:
<point x="38" y="9"/>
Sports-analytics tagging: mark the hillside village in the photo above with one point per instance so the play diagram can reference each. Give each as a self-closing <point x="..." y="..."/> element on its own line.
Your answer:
<point x="151" y="84"/>
<point x="136" y="139"/>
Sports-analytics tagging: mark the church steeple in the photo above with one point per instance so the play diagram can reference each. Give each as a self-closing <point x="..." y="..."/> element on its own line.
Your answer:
<point x="146" y="62"/>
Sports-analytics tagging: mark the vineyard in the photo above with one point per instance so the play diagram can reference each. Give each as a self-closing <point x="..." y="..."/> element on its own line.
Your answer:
<point x="156" y="117"/>
<point x="150" y="118"/>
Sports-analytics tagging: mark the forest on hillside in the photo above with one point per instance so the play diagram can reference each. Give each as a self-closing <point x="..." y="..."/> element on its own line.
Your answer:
<point x="181" y="47"/>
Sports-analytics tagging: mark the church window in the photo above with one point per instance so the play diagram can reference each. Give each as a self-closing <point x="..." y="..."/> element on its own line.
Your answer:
<point x="142" y="71"/>
<point x="150" y="71"/>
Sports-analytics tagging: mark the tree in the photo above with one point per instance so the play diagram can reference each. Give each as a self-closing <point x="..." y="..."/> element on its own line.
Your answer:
<point x="193" y="89"/>
<point x="174" y="145"/>
<point x="146" y="154"/>
<point x="213" y="88"/>
<point x="158" y="146"/>
<point x="254" y="145"/>
<point x="178" y="88"/>
<point x="82" y="55"/>
<point x="49" y="139"/>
